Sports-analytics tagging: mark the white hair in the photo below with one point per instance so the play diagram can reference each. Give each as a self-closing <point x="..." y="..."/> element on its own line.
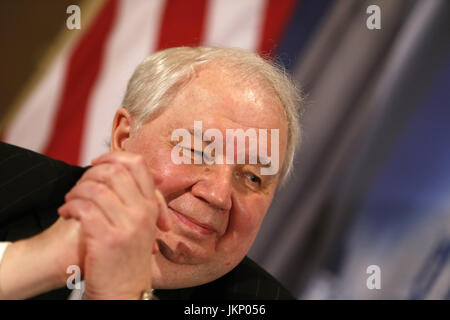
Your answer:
<point x="157" y="79"/>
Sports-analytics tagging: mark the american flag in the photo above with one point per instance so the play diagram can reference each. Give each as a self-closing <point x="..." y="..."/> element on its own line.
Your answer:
<point x="68" y="114"/>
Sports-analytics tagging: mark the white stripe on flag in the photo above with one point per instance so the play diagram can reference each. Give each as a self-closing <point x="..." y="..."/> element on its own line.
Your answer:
<point x="33" y="124"/>
<point x="235" y="23"/>
<point x="133" y="38"/>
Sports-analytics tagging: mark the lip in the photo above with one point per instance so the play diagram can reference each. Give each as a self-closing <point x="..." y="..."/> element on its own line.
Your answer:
<point x="193" y="224"/>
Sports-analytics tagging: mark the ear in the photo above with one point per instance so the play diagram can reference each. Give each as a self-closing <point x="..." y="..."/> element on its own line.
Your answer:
<point x="121" y="130"/>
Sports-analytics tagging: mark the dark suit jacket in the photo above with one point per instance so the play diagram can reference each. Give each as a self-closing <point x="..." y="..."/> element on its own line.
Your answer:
<point x="32" y="187"/>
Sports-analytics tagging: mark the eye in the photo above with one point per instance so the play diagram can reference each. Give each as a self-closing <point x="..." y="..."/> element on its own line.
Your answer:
<point x="196" y="153"/>
<point x="200" y="153"/>
<point x="193" y="150"/>
<point x="253" y="178"/>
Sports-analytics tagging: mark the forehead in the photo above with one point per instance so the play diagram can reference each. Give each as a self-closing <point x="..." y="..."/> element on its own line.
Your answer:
<point x="225" y="99"/>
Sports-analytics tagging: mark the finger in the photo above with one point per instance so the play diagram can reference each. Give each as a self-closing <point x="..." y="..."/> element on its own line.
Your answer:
<point x="92" y="220"/>
<point x="155" y="249"/>
<point x="105" y="157"/>
<point x="161" y="222"/>
<point x="66" y="213"/>
<point x="135" y="163"/>
<point x="118" y="179"/>
<point x="99" y="194"/>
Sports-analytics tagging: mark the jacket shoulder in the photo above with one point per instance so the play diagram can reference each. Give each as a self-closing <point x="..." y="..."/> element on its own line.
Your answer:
<point x="253" y="282"/>
<point x="33" y="185"/>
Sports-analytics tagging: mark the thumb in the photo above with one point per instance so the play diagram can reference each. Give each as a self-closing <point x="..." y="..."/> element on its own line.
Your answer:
<point x="161" y="222"/>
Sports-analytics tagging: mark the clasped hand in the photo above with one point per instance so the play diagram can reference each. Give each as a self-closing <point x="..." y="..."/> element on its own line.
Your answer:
<point x="117" y="205"/>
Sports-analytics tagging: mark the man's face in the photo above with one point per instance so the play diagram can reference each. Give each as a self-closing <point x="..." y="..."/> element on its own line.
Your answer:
<point x="215" y="211"/>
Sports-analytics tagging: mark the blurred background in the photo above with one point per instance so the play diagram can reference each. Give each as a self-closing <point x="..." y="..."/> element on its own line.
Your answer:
<point x="372" y="177"/>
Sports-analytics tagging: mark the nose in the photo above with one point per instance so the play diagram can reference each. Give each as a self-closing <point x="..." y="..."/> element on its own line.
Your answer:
<point x="215" y="187"/>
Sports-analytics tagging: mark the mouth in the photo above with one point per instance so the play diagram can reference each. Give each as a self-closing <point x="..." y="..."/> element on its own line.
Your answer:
<point x="193" y="225"/>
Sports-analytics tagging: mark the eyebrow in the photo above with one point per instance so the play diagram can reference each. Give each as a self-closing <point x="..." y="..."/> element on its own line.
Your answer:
<point x="260" y="164"/>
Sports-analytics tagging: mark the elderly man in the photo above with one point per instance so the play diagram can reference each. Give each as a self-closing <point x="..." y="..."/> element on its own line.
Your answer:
<point x="151" y="214"/>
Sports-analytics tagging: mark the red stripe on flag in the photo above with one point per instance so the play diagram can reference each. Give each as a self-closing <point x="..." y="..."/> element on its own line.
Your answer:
<point x="182" y="23"/>
<point x="277" y="15"/>
<point x="82" y="72"/>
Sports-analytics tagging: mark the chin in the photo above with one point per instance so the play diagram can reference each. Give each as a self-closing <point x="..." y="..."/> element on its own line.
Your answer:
<point x="170" y="275"/>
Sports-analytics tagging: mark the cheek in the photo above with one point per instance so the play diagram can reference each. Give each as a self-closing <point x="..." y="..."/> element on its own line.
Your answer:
<point x="248" y="215"/>
<point x="244" y="224"/>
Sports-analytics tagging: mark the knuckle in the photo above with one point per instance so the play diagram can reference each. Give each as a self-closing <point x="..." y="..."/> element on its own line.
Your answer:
<point x="116" y="169"/>
<point x="89" y="213"/>
<point x="86" y="205"/>
<point x="79" y="205"/>
<point x="98" y="189"/>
